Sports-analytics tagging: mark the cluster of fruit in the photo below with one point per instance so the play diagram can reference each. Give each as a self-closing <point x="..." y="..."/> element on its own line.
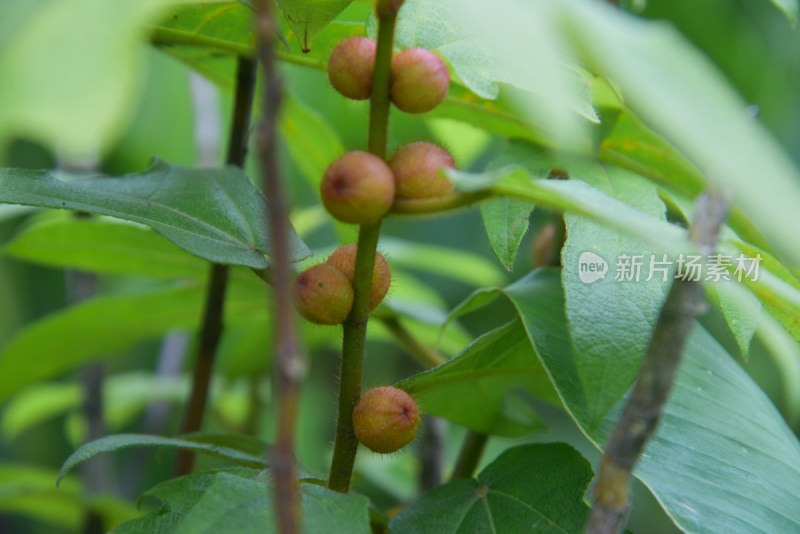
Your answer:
<point x="360" y="188"/>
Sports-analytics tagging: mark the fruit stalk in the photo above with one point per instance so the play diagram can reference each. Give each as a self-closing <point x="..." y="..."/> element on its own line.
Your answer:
<point x="211" y="329"/>
<point x="355" y="326"/>
<point x="643" y="410"/>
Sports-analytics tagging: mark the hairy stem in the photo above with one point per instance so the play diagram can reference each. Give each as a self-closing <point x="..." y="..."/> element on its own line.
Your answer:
<point x="289" y="363"/>
<point x="470" y="455"/>
<point x="211" y="329"/>
<point x="355" y="326"/>
<point x="685" y="302"/>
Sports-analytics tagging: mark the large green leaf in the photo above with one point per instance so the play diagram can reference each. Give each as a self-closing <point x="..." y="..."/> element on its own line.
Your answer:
<point x="672" y="87"/>
<point x="611" y="338"/>
<point x="531" y="488"/>
<point x="722" y="460"/>
<point x="240" y="500"/>
<point x="126" y="441"/>
<point x="437" y="26"/>
<point x="29" y="490"/>
<point x="478" y="387"/>
<point x="217" y="214"/>
<point x="94" y="97"/>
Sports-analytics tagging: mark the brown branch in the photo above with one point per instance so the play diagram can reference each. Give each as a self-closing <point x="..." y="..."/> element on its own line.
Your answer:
<point x="211" y="329"/>
<point x="289" y="364"/>
<point x="685" y="302"/>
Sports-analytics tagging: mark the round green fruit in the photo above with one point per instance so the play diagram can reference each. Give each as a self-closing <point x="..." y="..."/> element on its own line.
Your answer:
<point x="416" y="171"/>
<point x="344" y="259"/>
<point x="351" y="66"/>
<point x="420" y="80"/>
<point x="323" y="294"/>
<point x="385" y="419"/>
<point x="358" y="188"/>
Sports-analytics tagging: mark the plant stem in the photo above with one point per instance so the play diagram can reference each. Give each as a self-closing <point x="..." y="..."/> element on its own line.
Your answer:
<point x="424" y="355"/>
<point x="355" y="326"/>
<point x="211" y="328"/>
<point x="429" y="206"/>
<point x="643" y="410"/>
<point x="289" y="364"/>
<point x="470" y="455"/>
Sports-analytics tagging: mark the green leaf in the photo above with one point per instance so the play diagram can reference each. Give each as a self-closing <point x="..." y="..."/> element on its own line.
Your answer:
<point x="611" y="339"/>
<point x="720" y="436"/>
<point x="580" y="198"/>
<point x="308" y="17"/>
<point x="29" y="490"/>
<point x="240" y="500"/>
<point x="97" y="89"/>
<point x="788" y="8"/>
<point x="217" y="214"/>
<point x="530" y="488"/>
<point x="479" y="387"/>
<point x="109" y="246"/>
<point x="102" y="326"/>
<point x="126" y="441"/>
<point x="207" y="36"/>
<point x="506" y="222"/>
<point x="436" y="26"/>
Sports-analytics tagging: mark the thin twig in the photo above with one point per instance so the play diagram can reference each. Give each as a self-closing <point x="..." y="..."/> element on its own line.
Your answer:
<point x="470" y="455"/>
<point x="685" y="302"/>
<point x="211" y="329"/>
<point x="289" y="364"/>
<point x="426" y="356"/>
<point x="355" y="326"/>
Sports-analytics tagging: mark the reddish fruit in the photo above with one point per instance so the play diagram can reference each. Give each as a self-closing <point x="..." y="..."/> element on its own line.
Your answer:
<point x="385" y="419"/>
<point x="323" y="294"/>
<point x="358" y="188"/>
<point x="416" y="171"/>
<point x="420" y="80"/>
<point x="344" y="259"/>
<point x="351" y="66"/>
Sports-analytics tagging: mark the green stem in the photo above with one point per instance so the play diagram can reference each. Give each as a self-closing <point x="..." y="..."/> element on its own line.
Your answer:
<point x="470" y="455"/>
<point x="426" y="356"/>
<point x="429" y="206"/>
<point x="355" y="327"/>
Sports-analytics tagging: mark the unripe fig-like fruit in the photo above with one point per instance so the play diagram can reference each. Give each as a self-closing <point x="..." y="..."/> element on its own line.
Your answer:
<point x="385" y="419"/>
<point x="416" y="171"/>
<point x="344" y="259"/>
<point x="323" y="294"/>
<point x="420" y="80"/>
<point x="351" y="66"/>
<point x="358" y="188"/>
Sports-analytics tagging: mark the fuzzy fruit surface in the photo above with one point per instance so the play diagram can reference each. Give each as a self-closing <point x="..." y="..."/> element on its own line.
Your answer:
<point x="323" y="294"/>
<point x="351" y="66"/>
<point x="420" y="80"/>
<point x="344" y="259"/>
<point x="358" y="188"/>
<point x="385" y="419"/>
<point x="416" y="171"/>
